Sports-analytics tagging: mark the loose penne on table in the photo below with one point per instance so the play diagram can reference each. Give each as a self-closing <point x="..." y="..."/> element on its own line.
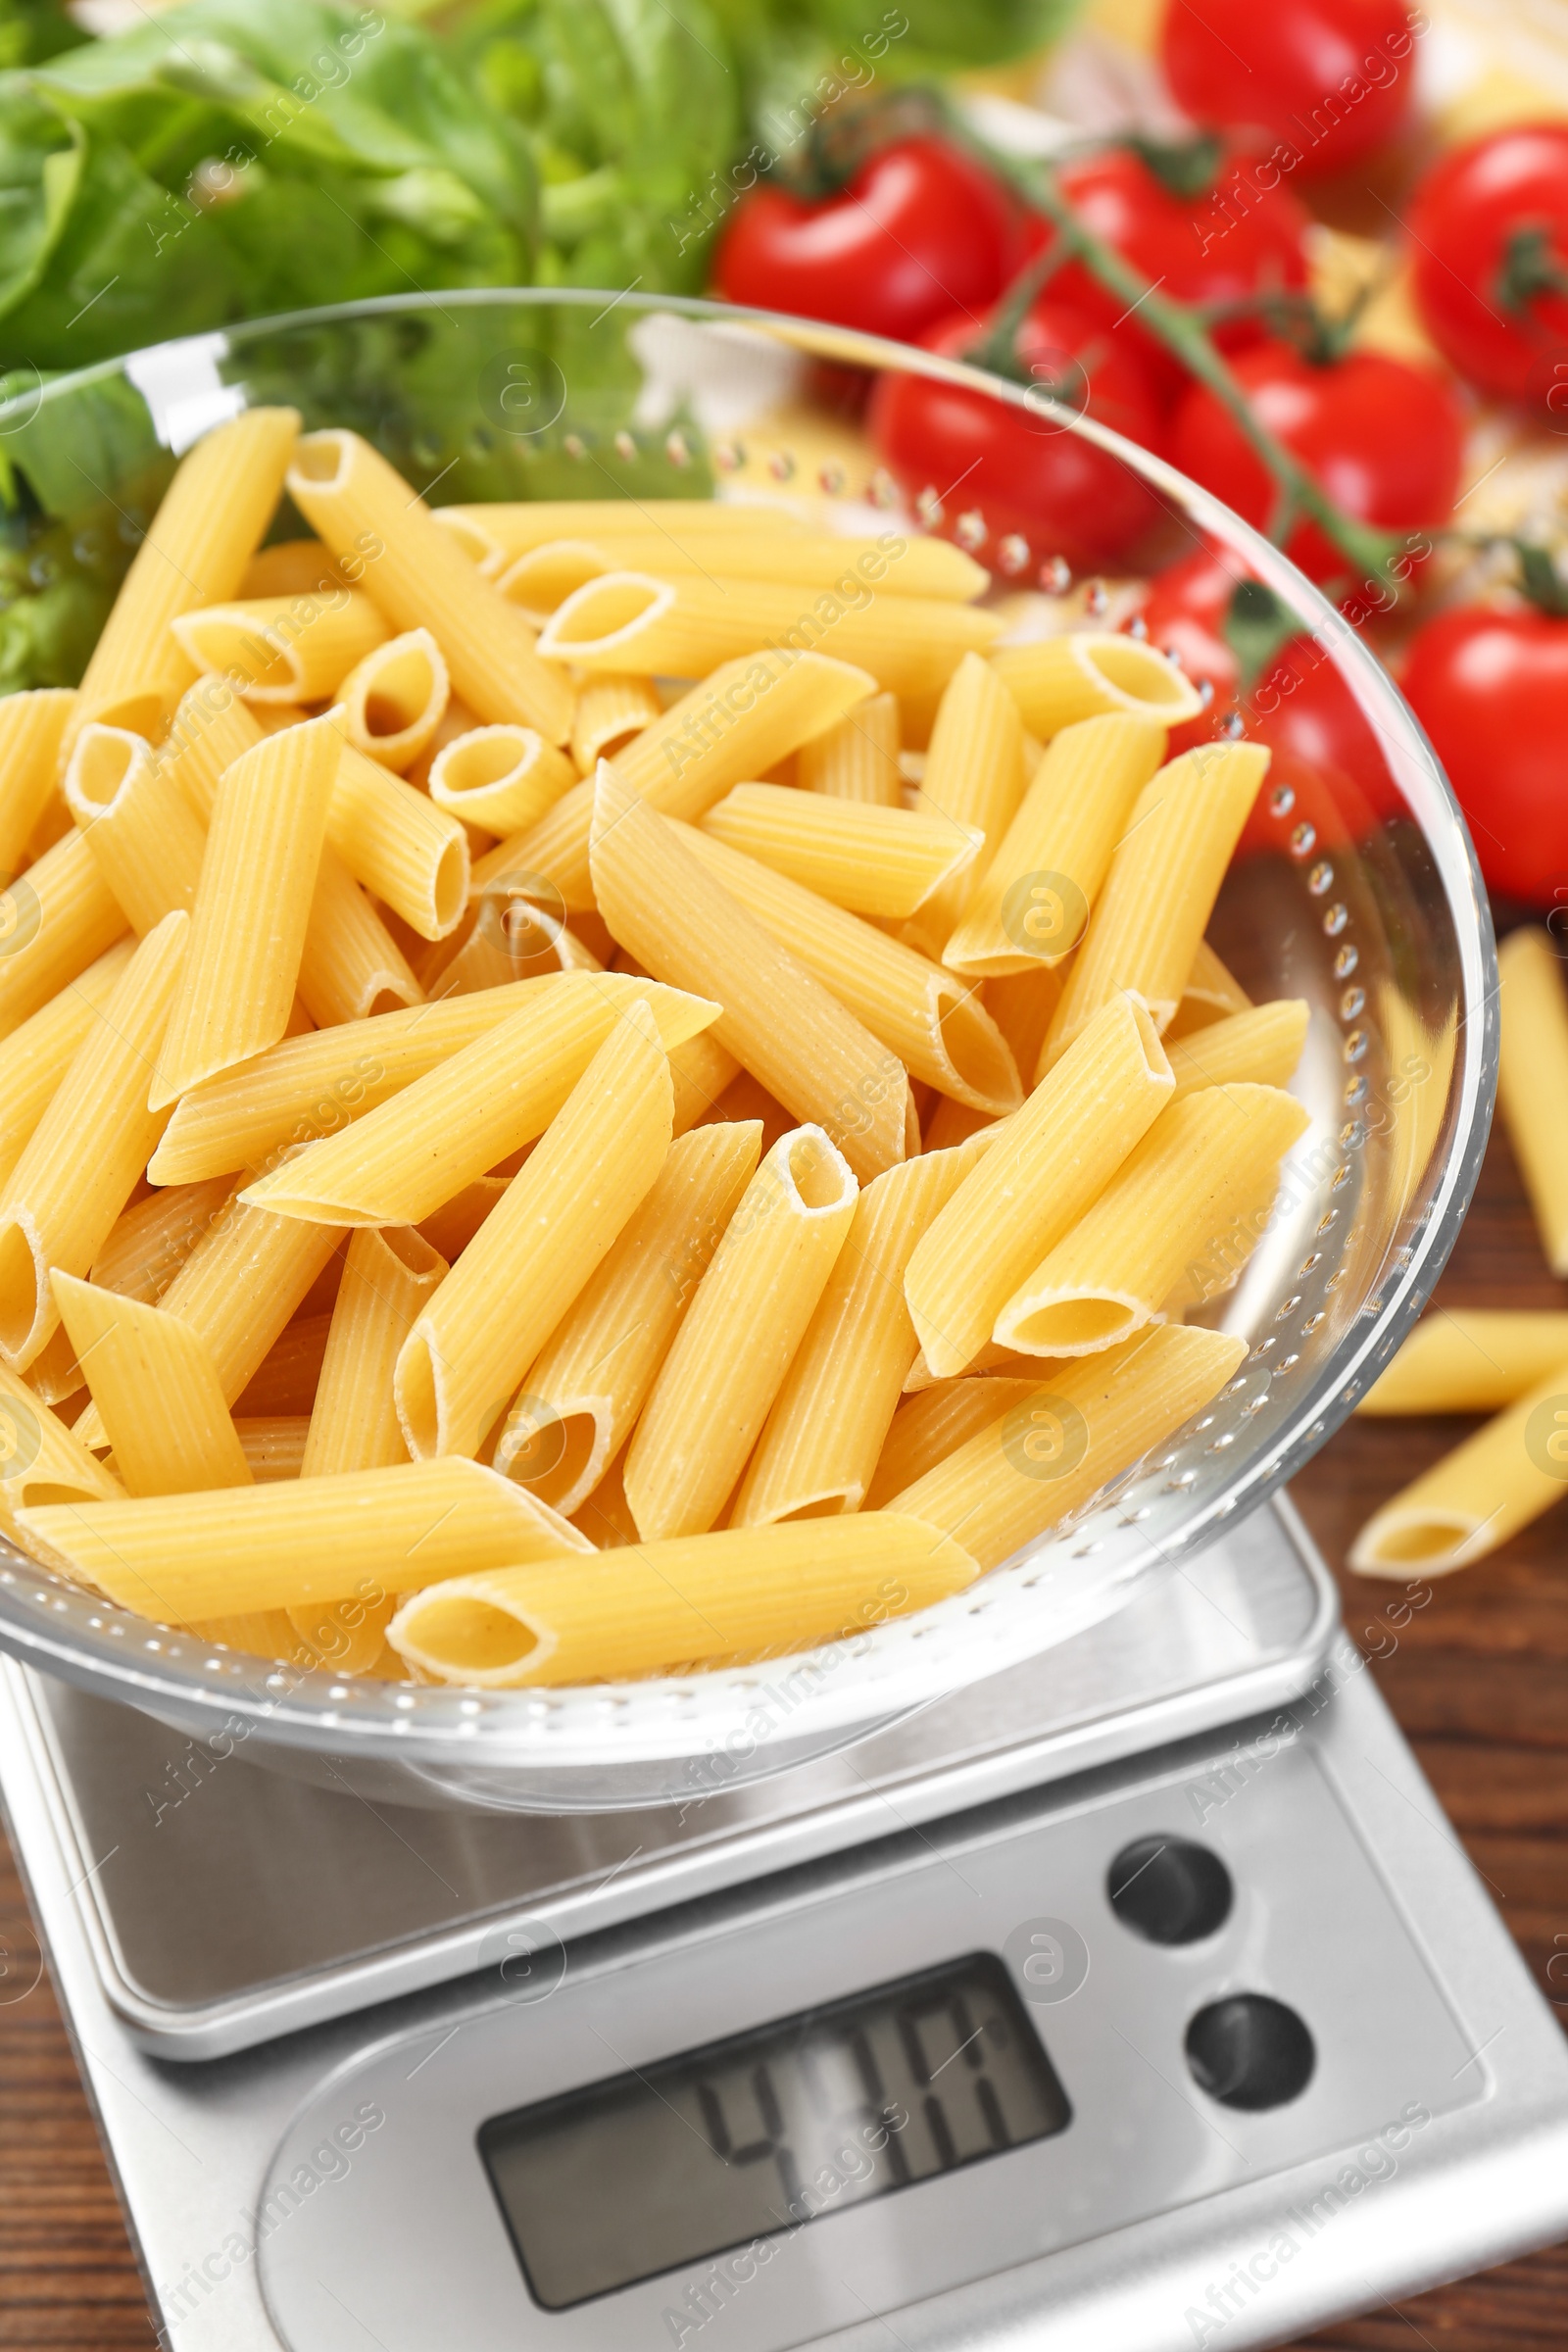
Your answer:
<point x="530" y="1153"/>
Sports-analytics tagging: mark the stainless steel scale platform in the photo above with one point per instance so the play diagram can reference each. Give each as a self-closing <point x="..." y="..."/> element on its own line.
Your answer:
<point x="1140" y="1998"/>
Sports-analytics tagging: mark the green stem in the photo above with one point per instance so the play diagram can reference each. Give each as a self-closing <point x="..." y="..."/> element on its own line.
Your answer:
<point x="996" y="352"/>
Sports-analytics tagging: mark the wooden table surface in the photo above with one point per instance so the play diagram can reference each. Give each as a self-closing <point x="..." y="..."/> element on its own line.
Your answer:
<point x="1477" y="1681"/>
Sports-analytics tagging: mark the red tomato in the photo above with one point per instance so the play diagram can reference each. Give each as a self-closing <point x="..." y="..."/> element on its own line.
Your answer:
<point x="1488" y="234"/>
<point x="920" y="233"/>
<point x="1384" y="439"/>
<point x="1491" y="688"/>
<point x="1215" y="247"/>
<point x="1332" y="79"/>
<point x="1022" y="470"/>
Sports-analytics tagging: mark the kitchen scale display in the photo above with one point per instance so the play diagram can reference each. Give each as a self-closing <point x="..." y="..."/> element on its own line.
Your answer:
<point x="1143" y="2000"/>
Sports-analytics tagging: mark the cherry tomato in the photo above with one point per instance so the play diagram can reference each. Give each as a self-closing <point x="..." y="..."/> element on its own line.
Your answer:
<point x="920" y="233"/>
<point x="1488" y="239"/>
<point x="1491" y="688"/>
<point x="1383" y="437"/>
<point x="1021" y="468"/>
<point x="1210" y="247"/>
<point x="1330" y="79"/>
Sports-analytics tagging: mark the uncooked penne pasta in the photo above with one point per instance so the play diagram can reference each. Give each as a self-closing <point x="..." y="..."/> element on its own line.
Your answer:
<point x="878" y="862"/>
<point x="1032" y="904"/>
<point x="1059" y="681"/>
<point x="611" y="711"/>
<point x="145" y="838"/>
<point x="858" y="759"/>
<point x="274" y="1448"/>
<point x="472" y="1342"/>
<point x="398" y="1163"/>
<point x="207" y="528"/>
<point x="1163" y="883"/>
<point x="55" y="921"/>
<point x="78" y="1167"/>
<point x="729" y="1358"/>
<point x="157" y="1392"/>
<point x="34" y="1059"/>
<point x="208" y="733"/>
<point x="253" y="902"/>
<point x="383" y="533"/>
<point x="149" y="1243"/>
<point x="1533" y="1080"/>
<point x="1470" y="1359"/>
<point x="33" y="726"/>
<point x="1023" y="1006"/>
<point x="452" y="1227"/>
<point x="283" y="649"/>
<point x="40" y="1458"/>
<point x="633" y="620"/>
<point x="350" y="968"/>
<point x="1050" y="1162"/>
<point x="973" y="777"/>
<point x="388" y="1275"/>
<point x="776" y="1018"/>
<point x="700" y="1070"/>
<point x="1470" y="1502"/>
<point x="934" y="1422"/>
<point x="185" y="1558"/>
<point x="741" y="721"/>
<point x="1047" y="1454"/>
<point x="541" y="579"/>
<point x="1178" y="1197"/>
<point x="394" y="700"/>
<point x="581" y="1396"/>
<point x="290" y="567"/>
<point x="502" y="779"/>
<point x="508" y="528"/>
<point x="1258" y="1048"/>
<point x="1210" y="993"/>
<point x="393" y="840"/>
<point x="820" y="1449"/>
<point x="709" y="1600"/>
<point x="505" y="937"/>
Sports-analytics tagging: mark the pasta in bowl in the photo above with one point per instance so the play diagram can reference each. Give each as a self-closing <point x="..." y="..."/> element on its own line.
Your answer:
<point x="615" y="1104"/>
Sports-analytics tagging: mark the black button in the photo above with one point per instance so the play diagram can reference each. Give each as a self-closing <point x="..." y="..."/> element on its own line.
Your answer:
<point x="1169" y="1890"/>
<point x="1250" y="2051"/>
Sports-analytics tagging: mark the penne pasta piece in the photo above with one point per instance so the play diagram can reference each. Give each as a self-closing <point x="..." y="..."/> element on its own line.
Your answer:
<point x="1058" y="680"/>
<point x="936" y="1422"/>
<point x="1179" y="1195"/>
<point x="145" y="838"/>
<point x="208" y="733"/>
<point x="729" y="1358"/>
<point x="187" y="1558"/>
<point x="41" y="1461"/>
<point x="540" y="579"/>
<point x="149" y="1243"/>
<point x="452" y="1227"/>
<point x="1469" y="1360"/>
<point x="253" y="902"/>
<point x="291" y="567"/>
<point x="1023" y="1006"/>
<point x="389" y="1276"/>
<point x="274" y="1448"/>
<point x="82" y="1161"/>
<point x="382" y="533"/>
<point x="398" y="1163"/>
<point x="393" y="840"/>
<point x="611" y="711"/>
<point x="581" y="1396"/>
<point x="606" y="1517"/>
<point x="1032" y="904"/>
<point x="33" y="726"/>
<point x="156" y="1390"/>
<point x="476" y="1337"/>
<point x="350" y="968"/>
<point x="682" y="628"/>
<point x="456" y="719"/>
<point x="1469" y="1504"/>
<point x="259" y="1634"/>
<point x="283" y="649"/>
<point x="34" y="1059"/>
<point x="858" y="759"/>
<point x="878" y="862"/>
<point x="776" y="1018"/>
<point x="820" y="1449"/>
<point x="55" y="1376"/>
<point x="953" y="1123"/>
<point x="507" y="528"/>
<point x="502" y="779"/>
<point x="1148" y="920"/>
<point x="1533" y="1080"/>
<point x="741" y="721"/>
<point x="1052" y="1160"/>
<point x="1003" y="1362"/>
<point x="1051" y="1453"/>
<point x="973" y="777"/>
<point x="287" y="1379"/>
<point x="1258" y="1048"/>
<point x="934" y="1022"/>
<point x="744" y="1099"/>
<point x="203" y="536"/>
<point x="1209" y="993"/>
<point x="700" y="1070"/>
<point x="55" y="921"/>
<point x="505" y="937"/>
<point x="395" y="699"/>
<point x="755" y="1592"/>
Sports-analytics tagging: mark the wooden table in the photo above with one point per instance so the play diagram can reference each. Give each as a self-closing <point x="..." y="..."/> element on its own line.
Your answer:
<point x="1477" y="1681"/>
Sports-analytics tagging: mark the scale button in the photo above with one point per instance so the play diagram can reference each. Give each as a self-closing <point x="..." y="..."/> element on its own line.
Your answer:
<point x="1250" y="2051"/>
<point x="1169" y="1890"/>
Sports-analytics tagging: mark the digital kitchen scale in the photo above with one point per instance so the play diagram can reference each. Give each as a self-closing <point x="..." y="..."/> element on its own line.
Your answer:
<point x="1139" y="1998"/>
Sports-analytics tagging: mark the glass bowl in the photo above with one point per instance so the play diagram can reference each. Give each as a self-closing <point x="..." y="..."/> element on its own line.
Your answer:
<point x="1360" y="893"/>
